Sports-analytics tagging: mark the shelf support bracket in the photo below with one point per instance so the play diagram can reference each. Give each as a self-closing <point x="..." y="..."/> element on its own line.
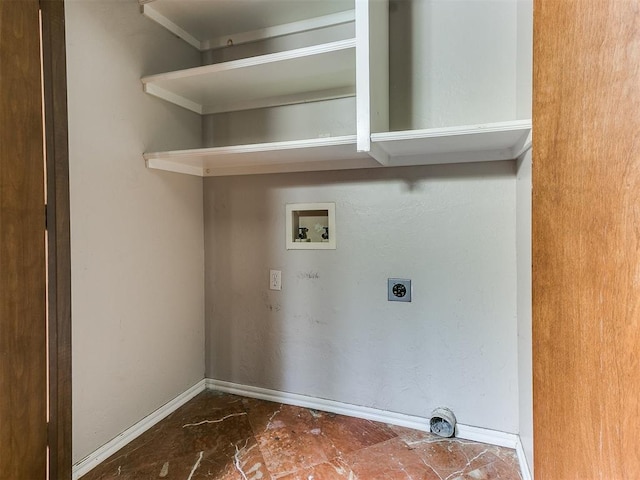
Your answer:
<point x="379" y="155"/>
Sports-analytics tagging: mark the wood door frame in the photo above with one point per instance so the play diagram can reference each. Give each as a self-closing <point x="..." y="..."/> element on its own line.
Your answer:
<point x="23" y="371"/>
<point x="586" y="239"/>
<point x="59" y="245"/>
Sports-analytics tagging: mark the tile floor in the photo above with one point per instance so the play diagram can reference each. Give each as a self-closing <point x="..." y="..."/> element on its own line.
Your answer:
<point x="226" y="437"/>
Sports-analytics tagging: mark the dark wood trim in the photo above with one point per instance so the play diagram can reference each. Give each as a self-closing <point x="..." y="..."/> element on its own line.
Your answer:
<point x="23" y="407"/>
<point x="58" y="221"/>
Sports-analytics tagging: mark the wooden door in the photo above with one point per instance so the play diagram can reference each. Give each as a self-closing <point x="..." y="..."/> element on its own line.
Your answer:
<point x="586" y="239"/>
<point x="23" y="363"/>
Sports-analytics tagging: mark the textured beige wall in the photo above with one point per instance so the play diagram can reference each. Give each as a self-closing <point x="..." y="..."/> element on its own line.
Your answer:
<point x="136" y="234"/>
<point x="138" y="245"/>
<point x="330" y="332"/>
<point x="439" y="48"/>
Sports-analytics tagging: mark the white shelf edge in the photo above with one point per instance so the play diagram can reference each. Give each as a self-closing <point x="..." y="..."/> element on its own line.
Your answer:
<point x="305" y="97"/>
<point x="452" y="131"/>
<point x="474" y="143"/>
<point x="298" y="155"/>
<point x="257" y="147"/>
<point x="275" y="31"/>
<point x="253" y="61"/>
<point x="159" y="85"/>
<point x="294" y="154"/>
<point x="450" y="157"/>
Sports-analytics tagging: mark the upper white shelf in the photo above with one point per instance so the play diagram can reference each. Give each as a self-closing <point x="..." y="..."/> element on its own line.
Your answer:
<point x="195" y="20"/>
<point x="319" y="72"/>
<point x="311" y="73"/>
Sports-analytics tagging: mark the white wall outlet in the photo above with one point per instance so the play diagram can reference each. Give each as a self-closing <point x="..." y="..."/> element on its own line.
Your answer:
<point x="275" y="280"/>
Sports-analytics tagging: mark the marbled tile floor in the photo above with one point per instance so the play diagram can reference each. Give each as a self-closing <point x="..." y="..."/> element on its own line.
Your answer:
<point x="220" y="436"/>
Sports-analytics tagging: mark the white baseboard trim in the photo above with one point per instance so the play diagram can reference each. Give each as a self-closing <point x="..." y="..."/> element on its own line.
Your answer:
<point x="331" y="406"/>
<point x="466" y="432"/>
<point x="111" y="447"/>
<point x="485" y="435"/>
<point x="525" y="469"/>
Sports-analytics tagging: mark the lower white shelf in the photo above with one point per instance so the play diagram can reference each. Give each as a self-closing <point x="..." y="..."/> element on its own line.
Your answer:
<point x="474" y="143"/>
<point x="460" y="144"/>
<point x="334" y="153"/>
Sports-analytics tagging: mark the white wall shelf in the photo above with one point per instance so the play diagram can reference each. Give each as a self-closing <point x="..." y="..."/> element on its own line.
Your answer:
<point x="353" y="67"/>
<point x="490" y="142"/>
<point x="472" y="143"/>
<point x="313" y="73"/>
<point x="336" y="153"/>
<point x="206" y="24"/>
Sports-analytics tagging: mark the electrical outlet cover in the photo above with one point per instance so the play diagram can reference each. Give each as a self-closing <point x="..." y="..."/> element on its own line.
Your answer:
<point x="275" y="280"/>
<point x="399" y="290"/>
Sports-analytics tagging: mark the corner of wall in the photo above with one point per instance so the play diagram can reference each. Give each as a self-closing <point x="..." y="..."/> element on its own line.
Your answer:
<point x="137" y="234"/>
<point x="523" y="254"/>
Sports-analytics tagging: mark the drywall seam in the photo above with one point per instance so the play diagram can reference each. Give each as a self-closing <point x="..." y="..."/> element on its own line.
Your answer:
<point x="94" y="459"/>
